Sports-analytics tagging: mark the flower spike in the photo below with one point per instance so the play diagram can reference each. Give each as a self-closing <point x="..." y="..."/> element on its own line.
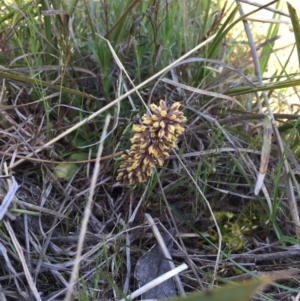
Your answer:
<point x="151" y="142"/>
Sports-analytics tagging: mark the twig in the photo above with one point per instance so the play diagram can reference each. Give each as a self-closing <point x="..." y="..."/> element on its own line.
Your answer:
<point x="128" y="264"/>
<point x="9" y="197"/>
<point x="22" y="259"/>
<point x="164" y="250"/>
<point x="212" y="215"/>
<point x="239" y="118"/>
<point x="132" y="217"/>
<point x="156" y="282"/>
<point x="87" y="213"/>
<point x="188" y="259"/>
<point x="265" y="257"/>
<point x="274" y="10"/>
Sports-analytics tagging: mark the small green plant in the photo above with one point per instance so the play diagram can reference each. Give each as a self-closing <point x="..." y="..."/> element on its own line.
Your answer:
<point x="236" y="229"/>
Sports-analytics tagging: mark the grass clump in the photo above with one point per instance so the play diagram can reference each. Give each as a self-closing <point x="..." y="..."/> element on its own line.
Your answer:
<point x="69" y="66"/>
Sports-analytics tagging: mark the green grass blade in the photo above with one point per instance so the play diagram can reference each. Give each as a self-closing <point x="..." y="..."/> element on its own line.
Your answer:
<point x="48" y="32"/>
<point x="232" y="292"/>
<point x="296" y="27"/>
<point x="28" y="80"/>
<point x="267" y="87"/>
<point x="226" y="28"/>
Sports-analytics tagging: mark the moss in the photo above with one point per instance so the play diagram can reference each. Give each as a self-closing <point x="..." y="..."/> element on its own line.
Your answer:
<point x="237" y="229"/>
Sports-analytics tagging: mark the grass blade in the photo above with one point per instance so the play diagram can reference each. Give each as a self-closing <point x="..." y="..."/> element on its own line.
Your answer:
<point x="296" y="27"/>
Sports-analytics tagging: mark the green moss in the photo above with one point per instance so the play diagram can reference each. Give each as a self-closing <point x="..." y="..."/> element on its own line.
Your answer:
<point x="237" y="229"/>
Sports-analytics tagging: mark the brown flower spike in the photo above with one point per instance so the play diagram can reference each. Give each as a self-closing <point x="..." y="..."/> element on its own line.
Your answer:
<point x="151" y="142"/>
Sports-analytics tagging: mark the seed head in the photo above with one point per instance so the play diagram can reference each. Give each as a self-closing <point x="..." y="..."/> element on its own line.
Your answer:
<point x="151" y="142"/>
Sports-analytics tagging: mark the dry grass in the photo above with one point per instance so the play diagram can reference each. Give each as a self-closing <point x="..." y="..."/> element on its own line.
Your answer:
<point x="71" y="231"/>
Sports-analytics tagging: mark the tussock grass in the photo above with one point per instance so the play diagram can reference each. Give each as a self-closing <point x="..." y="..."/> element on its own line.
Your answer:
<point x="71" y="230"/>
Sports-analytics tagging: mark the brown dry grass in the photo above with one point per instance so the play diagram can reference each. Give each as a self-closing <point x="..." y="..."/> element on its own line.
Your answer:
<point x="204" y="189"/>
